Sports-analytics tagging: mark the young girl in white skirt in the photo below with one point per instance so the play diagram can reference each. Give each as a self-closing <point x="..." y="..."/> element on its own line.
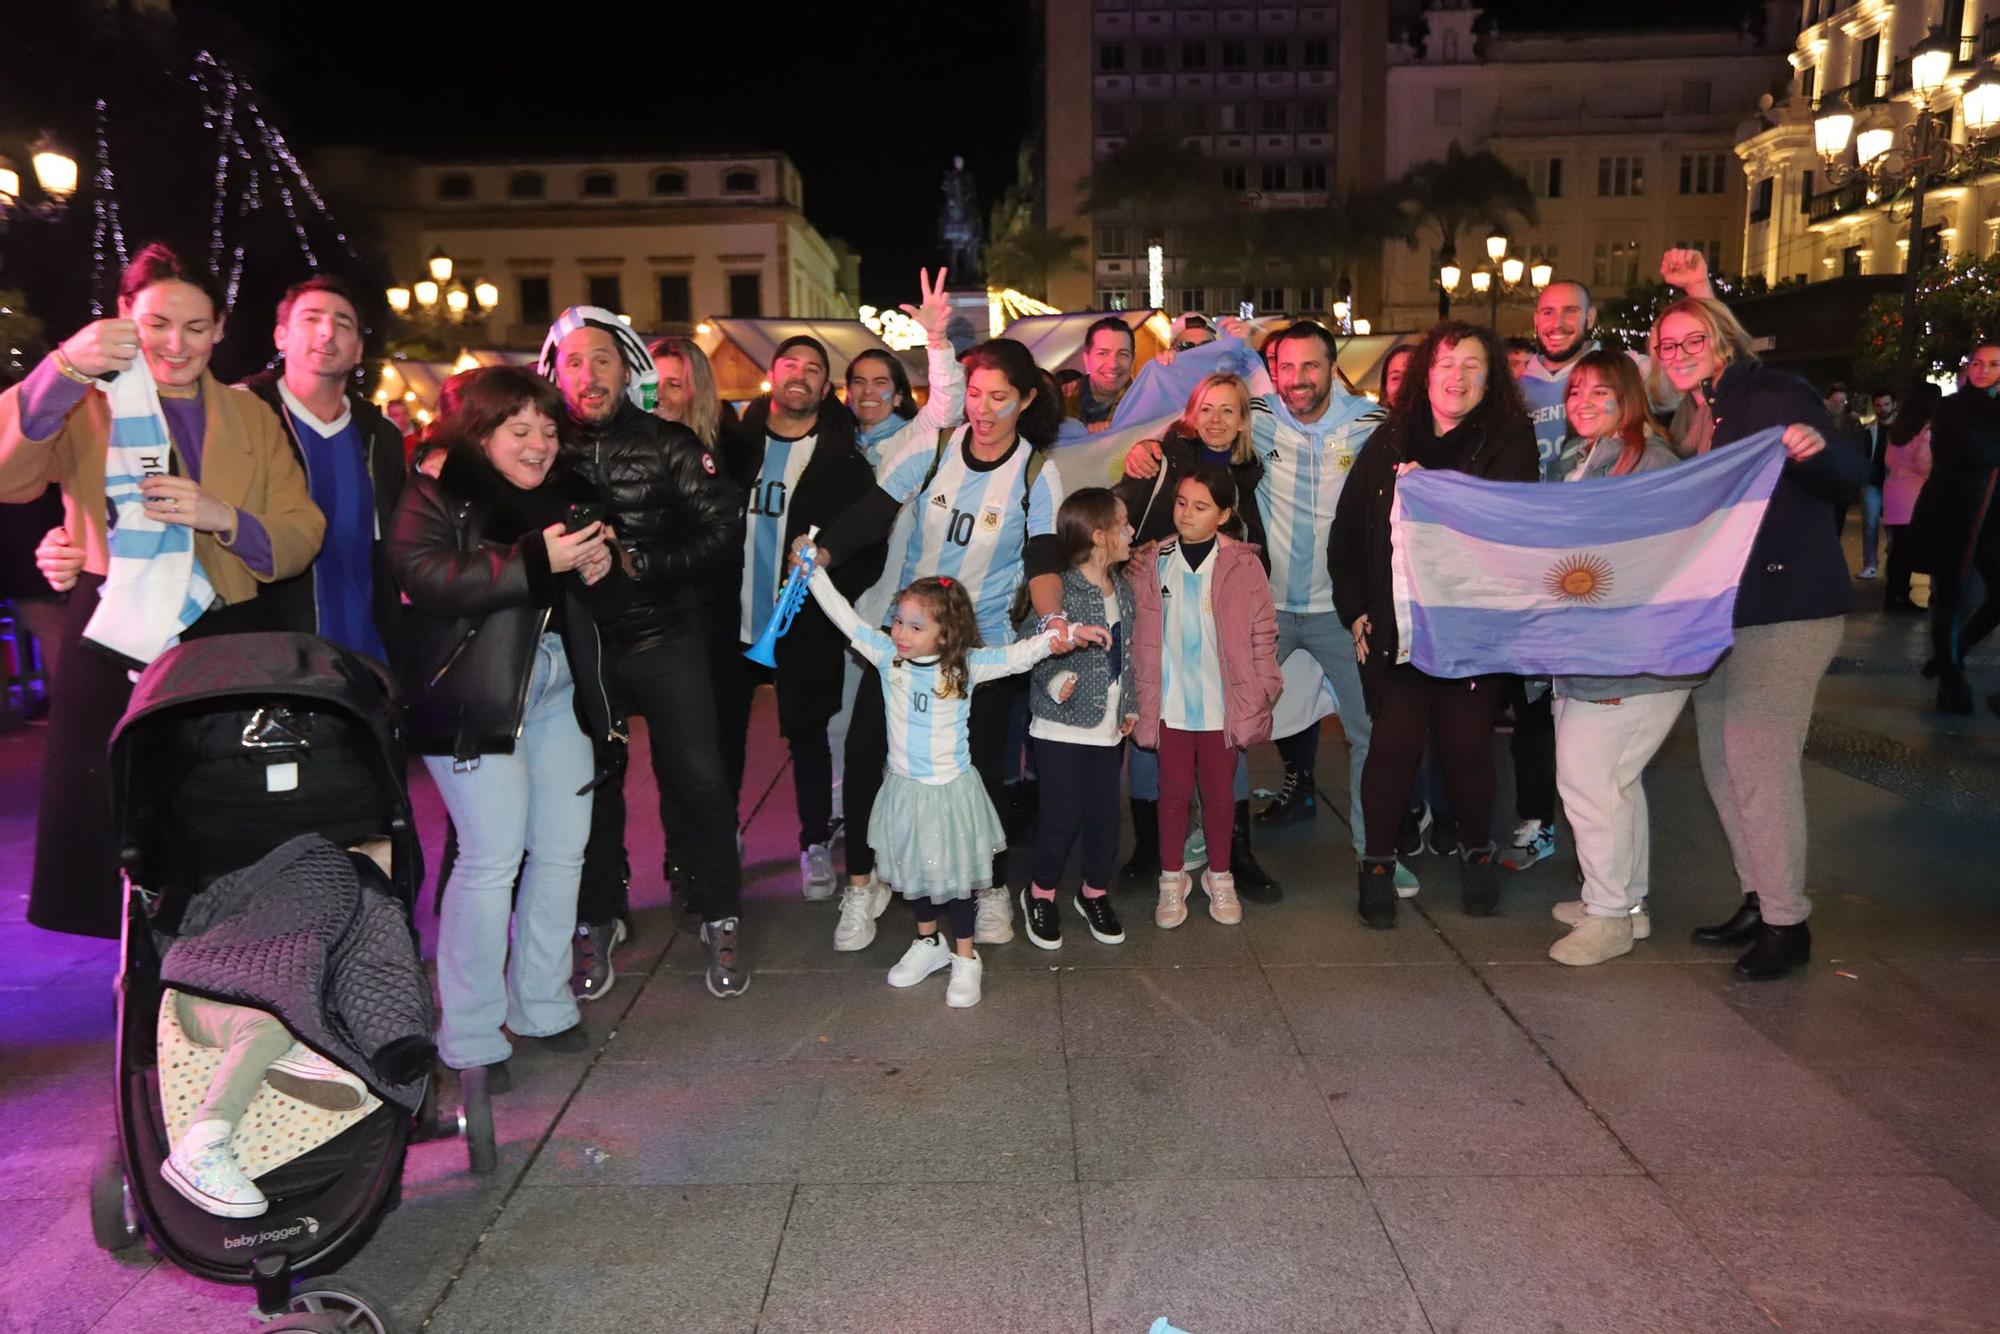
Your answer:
<point x="934" y="831"/>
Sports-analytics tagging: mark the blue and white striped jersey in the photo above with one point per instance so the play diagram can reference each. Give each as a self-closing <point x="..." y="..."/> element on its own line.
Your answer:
<point x="1305" y="466"/>
<point x="1190" y="662"/>
<point x="764" y="531"/>
<point x="970" y="522"/>
<point x="929" y="737"/>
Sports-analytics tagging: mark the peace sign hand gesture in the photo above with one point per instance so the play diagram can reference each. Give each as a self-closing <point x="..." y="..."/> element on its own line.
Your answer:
<point x="935" y="312"/>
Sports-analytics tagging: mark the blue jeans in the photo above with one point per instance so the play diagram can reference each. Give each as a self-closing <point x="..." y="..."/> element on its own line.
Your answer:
<point x="505" y="806"/>
<point x="1871" y="525"/>
<point x="1331" y="644"/>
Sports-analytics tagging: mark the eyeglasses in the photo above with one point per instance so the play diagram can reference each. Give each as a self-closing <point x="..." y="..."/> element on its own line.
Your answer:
<point x="1692" y="345"/>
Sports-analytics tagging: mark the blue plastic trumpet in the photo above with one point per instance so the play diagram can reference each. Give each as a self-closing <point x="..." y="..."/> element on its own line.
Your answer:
<point x="790" y="598"/>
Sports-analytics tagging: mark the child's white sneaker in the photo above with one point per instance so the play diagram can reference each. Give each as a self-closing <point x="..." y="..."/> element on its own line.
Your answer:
<point x="1171" y="910"/>
<point x="962" y="992"/>
<point x="304" y="1074"/>
<point x="203" y="1168"/>
<point x="925" y="956"/>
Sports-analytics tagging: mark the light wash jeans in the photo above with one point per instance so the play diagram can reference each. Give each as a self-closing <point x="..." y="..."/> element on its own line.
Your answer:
<point x="504" y="806"/>
<point x="1321" y="634"/>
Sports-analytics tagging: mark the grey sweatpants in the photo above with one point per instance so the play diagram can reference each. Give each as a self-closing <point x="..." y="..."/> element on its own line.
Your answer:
<point x="1751" y="717"/>
<point x="250" y="1041"/>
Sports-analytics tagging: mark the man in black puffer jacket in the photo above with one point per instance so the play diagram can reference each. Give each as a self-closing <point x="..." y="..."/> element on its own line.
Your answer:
<point x="795" y="458"/>
<point x="678" y="522"/>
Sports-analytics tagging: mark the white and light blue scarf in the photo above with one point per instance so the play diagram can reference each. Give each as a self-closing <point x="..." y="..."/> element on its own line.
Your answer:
<point x="154" y="589"/>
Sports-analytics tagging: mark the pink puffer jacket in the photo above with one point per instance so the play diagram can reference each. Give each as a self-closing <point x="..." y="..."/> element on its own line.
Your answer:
<point x="1246" y="639"/>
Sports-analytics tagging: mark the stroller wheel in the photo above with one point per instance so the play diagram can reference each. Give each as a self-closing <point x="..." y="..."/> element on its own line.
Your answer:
<point x="335" y="1303"/>
<point x="476" y="1115"/>
<point x="114" y="1220"/>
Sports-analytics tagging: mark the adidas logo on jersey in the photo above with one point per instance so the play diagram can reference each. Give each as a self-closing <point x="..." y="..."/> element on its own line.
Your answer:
<point x="940" y="502"/>
<point x="1271" y="457"/>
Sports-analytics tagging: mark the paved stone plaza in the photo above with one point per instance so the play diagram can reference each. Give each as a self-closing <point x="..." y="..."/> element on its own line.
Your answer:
<point x="1297" y="1124"/>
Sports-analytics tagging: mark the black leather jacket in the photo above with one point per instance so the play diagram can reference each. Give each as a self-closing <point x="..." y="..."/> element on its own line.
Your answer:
<point x="478" y="604"/>
<point x="678" y="517"/>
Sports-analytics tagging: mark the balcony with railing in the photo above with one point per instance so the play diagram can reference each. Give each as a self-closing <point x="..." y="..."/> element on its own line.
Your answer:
<point x="1828" y="204"/>
<point x="1862" y="92"/>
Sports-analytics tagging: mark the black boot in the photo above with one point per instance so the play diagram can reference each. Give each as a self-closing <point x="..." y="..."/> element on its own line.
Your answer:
<point x="1954" y="693"/>
<point x="1742" y="925"/>
<point x="1478" y="881"/>
<point x="1143" y="871"/>
<point x="1295" y="802"/>
<point x="1253" y="882"/>
<point x="1777" y="950"/>
<point x="1376" y="880"/>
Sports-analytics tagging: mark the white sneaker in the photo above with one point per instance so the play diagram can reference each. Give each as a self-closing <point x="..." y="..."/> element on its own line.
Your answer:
<point x="1171" y="910"/>
<point x="304" y="1074"/>
<point x="1593" y="940"/>
<point x="203" y="1168"/>
<point x="1571" y="912"/>
<point x="860" y="905"/>
<point x="816" y="878"/>
<point x="962" y="992"/>
<point x="925" y="956"/>
<point x="994" y="923"/>
<point x="1194" y="852"/>
<point x="1223" y="905"/>
<point x="1406" y="881"/>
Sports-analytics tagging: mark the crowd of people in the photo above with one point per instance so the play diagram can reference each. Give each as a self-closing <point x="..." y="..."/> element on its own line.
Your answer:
<point x="989" y="644"/>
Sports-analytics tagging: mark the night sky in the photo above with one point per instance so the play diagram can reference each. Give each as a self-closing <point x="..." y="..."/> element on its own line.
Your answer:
<point x="871" y="100"/>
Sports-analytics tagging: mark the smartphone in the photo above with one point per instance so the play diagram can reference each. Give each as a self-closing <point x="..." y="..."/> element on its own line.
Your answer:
<point x="582" y="514"/>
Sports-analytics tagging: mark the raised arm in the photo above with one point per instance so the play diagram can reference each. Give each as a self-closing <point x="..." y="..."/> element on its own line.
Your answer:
<point x="869" y="642"/>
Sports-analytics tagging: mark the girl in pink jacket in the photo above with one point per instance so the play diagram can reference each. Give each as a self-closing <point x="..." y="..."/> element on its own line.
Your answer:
<point x="1205" y="648"/>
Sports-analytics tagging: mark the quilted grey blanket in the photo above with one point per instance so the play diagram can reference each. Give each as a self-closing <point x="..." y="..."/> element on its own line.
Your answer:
<point x="300" y="935"/>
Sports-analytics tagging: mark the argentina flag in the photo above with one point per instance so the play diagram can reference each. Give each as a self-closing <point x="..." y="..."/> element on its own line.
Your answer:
<point x="1618" y="576"/>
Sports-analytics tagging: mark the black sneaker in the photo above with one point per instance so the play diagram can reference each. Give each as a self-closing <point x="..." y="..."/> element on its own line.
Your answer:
<point x="1442" y="836"/>
<point x="1410" y="838"/>
<point x="1098" y="914"/>
<point x="1043" y="921"/>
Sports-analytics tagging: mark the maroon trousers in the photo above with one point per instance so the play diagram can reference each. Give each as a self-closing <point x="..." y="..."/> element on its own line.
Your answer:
<point x="1188" y="760"/>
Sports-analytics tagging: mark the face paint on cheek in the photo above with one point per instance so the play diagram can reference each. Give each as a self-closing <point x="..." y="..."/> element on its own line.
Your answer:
<point x="1005" y="410"/>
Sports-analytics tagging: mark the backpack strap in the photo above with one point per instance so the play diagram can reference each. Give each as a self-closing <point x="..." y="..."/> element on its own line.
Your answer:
<point x="937" y="459"/>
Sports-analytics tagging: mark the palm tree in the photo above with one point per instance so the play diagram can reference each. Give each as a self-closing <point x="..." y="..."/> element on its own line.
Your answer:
<point x="1462" y="191"/>
<point x="1028" y="256"/>
<point x="1154" y="178"/>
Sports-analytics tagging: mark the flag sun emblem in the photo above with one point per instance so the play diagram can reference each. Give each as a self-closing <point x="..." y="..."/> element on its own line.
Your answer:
<point x="1582" y="578"/>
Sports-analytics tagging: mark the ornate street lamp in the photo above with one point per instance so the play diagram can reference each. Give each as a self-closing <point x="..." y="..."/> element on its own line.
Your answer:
<point x="1888" y="160"/>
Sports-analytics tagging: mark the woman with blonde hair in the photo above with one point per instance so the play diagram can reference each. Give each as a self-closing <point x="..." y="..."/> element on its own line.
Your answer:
<point x="687" y="388"/>
<point x="1213" y="430"/>
<point x="1752" y="713"/>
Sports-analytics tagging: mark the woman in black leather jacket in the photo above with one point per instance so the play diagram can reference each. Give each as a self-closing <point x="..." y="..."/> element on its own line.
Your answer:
<point x="507" y="703"/>
<point x="1214" y="428"/>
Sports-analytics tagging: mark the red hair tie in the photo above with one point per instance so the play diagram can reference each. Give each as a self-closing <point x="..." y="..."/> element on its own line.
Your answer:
<point x="944" y="581"/>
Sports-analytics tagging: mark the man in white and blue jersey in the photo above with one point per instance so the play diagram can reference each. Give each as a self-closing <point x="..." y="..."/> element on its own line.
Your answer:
<point x="1308" y="442"/>
<point x="795" y="457"/>
<point x="984" y="510"/>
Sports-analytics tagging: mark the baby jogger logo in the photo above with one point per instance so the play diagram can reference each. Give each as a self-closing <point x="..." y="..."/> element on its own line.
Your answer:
<point x="305" y="1223"/>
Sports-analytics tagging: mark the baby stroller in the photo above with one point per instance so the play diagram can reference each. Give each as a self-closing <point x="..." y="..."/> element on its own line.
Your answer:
<point x="232" y="746"/>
